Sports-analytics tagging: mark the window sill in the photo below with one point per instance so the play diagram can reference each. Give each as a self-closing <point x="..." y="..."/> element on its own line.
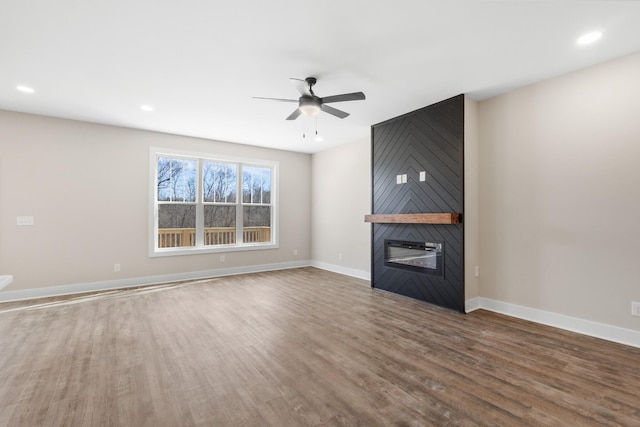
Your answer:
<point x="210" y="250"/>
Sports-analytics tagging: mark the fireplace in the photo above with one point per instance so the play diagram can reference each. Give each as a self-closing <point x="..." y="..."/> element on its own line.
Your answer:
<point x="421" y="257"/>
<point x="417" y="204"/>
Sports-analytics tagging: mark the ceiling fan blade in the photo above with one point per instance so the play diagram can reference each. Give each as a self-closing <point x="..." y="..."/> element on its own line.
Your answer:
<point x="276" y="99"/>
<point x="355" y="96"/>
<point x="294" y="115"/>
<point x="334" y="111"/>
<point x="301" y="86"/>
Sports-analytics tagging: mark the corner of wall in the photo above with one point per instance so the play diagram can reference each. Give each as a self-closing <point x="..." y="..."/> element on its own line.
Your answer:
<point x="341" y="197"/>
<point x="471" y="203"/>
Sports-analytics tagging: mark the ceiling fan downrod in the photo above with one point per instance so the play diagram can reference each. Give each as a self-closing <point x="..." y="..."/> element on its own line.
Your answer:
<point x="311" y="81"/>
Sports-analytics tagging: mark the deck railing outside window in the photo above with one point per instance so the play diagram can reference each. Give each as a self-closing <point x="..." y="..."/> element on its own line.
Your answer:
<point x="180" y="237"/>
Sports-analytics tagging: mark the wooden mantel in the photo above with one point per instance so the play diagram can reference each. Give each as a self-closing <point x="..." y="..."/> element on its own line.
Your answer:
<point x="419" y="218"/>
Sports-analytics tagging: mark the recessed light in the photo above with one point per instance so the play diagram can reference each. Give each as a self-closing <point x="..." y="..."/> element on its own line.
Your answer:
<point x="25" y="89"/>
<point x="146" y="107"/>
<point x="589" y="38"/>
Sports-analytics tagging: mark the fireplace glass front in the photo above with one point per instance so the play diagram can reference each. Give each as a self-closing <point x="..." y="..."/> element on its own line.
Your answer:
<point x="422" y="257"/>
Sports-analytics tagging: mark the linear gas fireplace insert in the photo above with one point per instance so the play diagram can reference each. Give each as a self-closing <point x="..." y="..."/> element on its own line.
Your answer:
<point x="422" y="257"/>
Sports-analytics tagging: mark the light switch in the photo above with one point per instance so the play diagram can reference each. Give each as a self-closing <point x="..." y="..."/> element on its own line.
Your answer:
<point x="399" y="179"/>
<point x="423" y="176"/>
<point x="404" y="178"/>
<point x="24" y="220"/>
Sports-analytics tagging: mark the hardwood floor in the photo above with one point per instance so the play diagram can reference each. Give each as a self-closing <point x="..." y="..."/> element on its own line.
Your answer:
<point x="301" y="347"/>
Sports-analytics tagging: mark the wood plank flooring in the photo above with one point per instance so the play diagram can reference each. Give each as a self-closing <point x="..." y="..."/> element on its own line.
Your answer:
<point x="301" y="347"/>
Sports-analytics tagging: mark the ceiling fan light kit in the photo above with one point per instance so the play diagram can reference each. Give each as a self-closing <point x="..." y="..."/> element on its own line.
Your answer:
<point x="309" y="107"/>
<point x="310" y="104"/>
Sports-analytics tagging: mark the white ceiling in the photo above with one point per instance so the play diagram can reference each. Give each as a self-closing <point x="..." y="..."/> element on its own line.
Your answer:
<point x="199" y="63"/>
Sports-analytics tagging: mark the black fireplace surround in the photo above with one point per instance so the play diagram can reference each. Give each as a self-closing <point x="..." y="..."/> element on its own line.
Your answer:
<point x="426" y="147"/>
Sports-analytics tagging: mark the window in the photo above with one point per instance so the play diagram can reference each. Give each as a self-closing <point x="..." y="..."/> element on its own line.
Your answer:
<point x="206" y="204"/>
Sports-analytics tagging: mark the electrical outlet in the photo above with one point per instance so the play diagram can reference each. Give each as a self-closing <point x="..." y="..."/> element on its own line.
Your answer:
<point x="116" y="267"/>
<point x="295" y="252"/>
<point x="222" y="258"/>
<point x="635" y="308"/>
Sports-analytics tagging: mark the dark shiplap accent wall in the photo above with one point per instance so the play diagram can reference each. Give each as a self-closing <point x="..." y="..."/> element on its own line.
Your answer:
<point x="430" y="139"/>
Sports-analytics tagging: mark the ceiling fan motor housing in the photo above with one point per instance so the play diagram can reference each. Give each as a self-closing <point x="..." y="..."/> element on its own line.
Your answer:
<point x="309" y="105"/>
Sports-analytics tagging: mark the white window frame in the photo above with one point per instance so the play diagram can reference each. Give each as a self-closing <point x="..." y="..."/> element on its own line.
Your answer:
<point x="200" y="248"/>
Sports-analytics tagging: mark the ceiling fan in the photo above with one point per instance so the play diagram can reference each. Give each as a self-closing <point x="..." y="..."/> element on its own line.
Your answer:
<point x="310" y="104"/>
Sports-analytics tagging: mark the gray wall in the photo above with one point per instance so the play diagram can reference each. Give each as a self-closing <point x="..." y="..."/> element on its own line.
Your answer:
<point x="559" y="196"/>
<point x="87" y="187"/>
<point x="341" y="198"/>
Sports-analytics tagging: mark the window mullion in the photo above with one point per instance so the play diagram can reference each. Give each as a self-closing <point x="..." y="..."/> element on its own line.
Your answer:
<point x="239" y="206"/>
<point x="199" y="205"/>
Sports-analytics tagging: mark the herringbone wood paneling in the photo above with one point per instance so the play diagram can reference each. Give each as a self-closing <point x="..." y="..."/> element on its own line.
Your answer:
<point x="430" y="139"/>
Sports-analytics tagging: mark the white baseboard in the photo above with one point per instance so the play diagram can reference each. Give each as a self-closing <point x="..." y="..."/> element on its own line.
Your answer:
<point x="582" y="326"/>
<point x="472" y="304"/>
<point x="79" y="288"/>
<point x="359" y="274"/>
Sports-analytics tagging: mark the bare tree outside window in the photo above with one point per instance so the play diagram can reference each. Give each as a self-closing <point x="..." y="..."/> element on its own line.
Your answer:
<point x="219" y="184"/>
<point x="176" y="183"/>
<point x="256" y="199"/>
